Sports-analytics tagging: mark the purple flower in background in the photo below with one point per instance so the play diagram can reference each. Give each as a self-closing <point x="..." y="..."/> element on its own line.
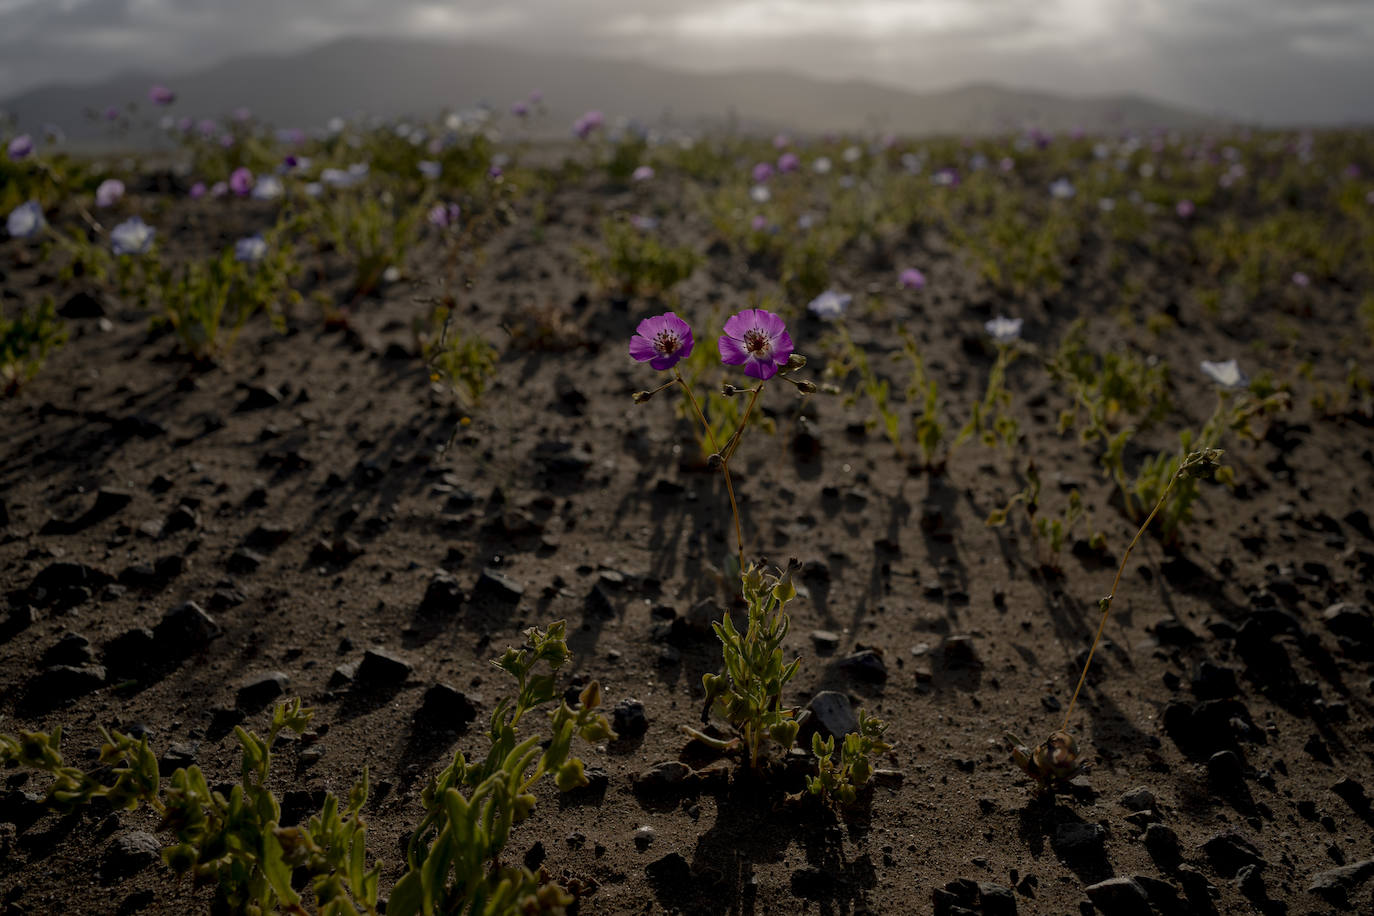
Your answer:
<point x="759" y="222"/>
<point x="241" y="181"/>
<point x="444" y="215"/>
<point x="109" y="192"/>
<point x="1301" y="279"/>
<point x="1006" y="165"/>
<point x="1003" y="330"/>
<point x="589" y="122"/>
<point x="161" y="95"/>
<point x="242" y="114"/>
<point x="1184" y="208"/>
<point x="133" y="236"/>
<point x="536" y="96"/>
<point x="227" y="141"/>
<point x="112" y="113"/>
<point x="25" y="221"/>
<point x="761" y="172"/>
<point x="20" y="147"/>
<point x="1352" y="171"/>
<point x="661" y="341"/>
<point x="185" y="124"/>
<point x="781" y="141"/>
<point x="208" y="127"/>
<point x="758" y="340"/>
<point x="911" y="278"/>
<point x="1227" y="374"/>
<point x="250" y="249"/>
<point x="197" y="190"/>
<point x="520" y="109"/>
<point x="495" y="172"/>
<point x="430" y="169"/>
<point x="643" y="173"/>
<point x="830" y="304"/>
<point x="789" y="162"/>
<point x="643" y="222"/>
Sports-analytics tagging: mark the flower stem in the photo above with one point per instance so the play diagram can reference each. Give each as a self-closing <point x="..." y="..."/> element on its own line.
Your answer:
<point x="724" y="463"/>
<point x="1106" y="602"/>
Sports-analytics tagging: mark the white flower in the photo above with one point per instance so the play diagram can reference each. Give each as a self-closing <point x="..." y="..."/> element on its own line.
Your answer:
<point x="912" y="163"/>
<point x="1227" y="374"/>
<point x="830" y="304"/>
<point x="269" y="187"/>
<point x="1061" y="189"/>
<point x="821" y="166"/>
<point x="133" y="236"/>
<point x="429" y="169"/>
<point x="760" y="194"/>
<point x="852" y="154"/>
<point x="313" y="189"/>
<point x="250" y="250"/>
<point x="25" y="221"/>
<point x="1106" y="205"/>
<point x="1004" y="330"/>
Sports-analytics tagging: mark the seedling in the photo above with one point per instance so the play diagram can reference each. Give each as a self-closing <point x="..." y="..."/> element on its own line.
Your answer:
<point x="635" y="262"/>
<point x="839" y="782"/>
<point x="25" y="342"/>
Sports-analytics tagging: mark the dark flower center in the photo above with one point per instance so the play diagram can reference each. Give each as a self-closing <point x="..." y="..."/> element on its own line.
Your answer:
<point x="667" y="342"/>
<point x="757" y="343"/>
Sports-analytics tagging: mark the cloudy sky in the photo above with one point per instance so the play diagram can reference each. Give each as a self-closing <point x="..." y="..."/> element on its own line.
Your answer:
<point x="1271" y="60"/>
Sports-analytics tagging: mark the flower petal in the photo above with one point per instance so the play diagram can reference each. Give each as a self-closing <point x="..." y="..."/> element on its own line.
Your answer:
<point x="642" y="348"/>
<point x="762" y="369"/>
<point x="740" y="324"/>
<point x="772" y="324"/>
<point x="782" y="348"/>
<point x="732" y="352"/>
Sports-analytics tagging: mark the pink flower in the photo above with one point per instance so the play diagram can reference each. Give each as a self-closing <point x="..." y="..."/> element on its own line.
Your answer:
<point x="762" y="172"/>
<point x="1184" y="208"/>
<point x="241" y="181"/>
<point x="758" y="340"/>
<point x="197" y="190"/>
<point x="789" y="162"/>
<point x="759" y="222"/>
<point x="643" y="173"/>
<point x="661" y="341"/>
<point x="911" y="278"/>
<point x="520" y="109"/>
<point x="109" y="192"/>
<point x="161" y="95"/>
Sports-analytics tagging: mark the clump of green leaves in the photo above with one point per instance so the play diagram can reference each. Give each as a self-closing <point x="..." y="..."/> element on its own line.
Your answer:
<point x="852" y="358"/>
<point x="207" y="303"/>
<point x="748" y="695"/>
<point x="1108" y="388"/>
<point x="373" y="231"/>
<point x="461" y="359"/>
<point x="25" y="342"/>
<point x="924" y="394"/>
<point x="840" y="781"/>
<point x="990" y="419"/>
<point x="454" y="857"/>
<point x="235" y="843"/>
<point x="636" y="262"/>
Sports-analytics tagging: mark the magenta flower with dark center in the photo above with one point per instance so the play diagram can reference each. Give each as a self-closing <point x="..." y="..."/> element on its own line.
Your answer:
<point x="758" y="340"/>
<point x="161" y="95"/>
<point x="661" y="341"/>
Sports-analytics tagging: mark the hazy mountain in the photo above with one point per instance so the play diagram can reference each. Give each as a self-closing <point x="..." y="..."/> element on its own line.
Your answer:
<point x="392" y="77"/>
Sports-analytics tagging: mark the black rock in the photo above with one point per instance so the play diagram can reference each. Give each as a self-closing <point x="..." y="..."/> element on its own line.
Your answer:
<point x="443" y="594"/>
<point x="72" y="649"/>
<point x="832" y="715"/>
<point x="82" y="305"/>
<point x="1173" y="632"/>
<point x="244" y="561"/>
<point x="960" y="652"/>
<point x="628" y="718"/>
<point x="562" y="458"/>
<point x="865" y="665"/>
<point x="1138" y="799"/>
<point x="1214" y="682"/>
<point x="1230" y="852"/>
<point x="182" y="518"/>
<point x="448" y="707"/>
<point x="267" y="537"/>
<point x="185" y="629"/>
<point x="64" y="585"/>
<point x="64" y="682"/>
<point x="1336" y="886"/>
<point x="261" y="689"/>
<point x="664" y="776"/>
<point x="1225" y="770"/>
<point x="1119" y="897"/>
<point x="128" y="854"/>
<point x="380" y="667"/>
<point x="130" y="652"/>
<point x="259" y="398"/>
<point x="176" y="757"/>
<point x="670" y="876"/>
<point x="1077" y="842"/>
<point x="1162" y="844"/>
<point x="497" y="587"/>
<point x="1354" y="629"/>
<point x="996" y="900"/>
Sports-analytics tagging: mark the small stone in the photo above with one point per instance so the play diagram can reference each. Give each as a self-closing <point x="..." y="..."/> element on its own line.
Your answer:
<point x="1078" y="842"/>
<point x="628" y="718"/>
<point x="826" y="641"/>
<point x="259" y="397"/>
<point x="268" y="537"/>
<point x="1119" y="897"/>
<point x="382" y="667"/>
<point x="244" y="561"/>
<point x="442" y="594"/>
<point x="448" y="707"/>
<point x="1138" y="799"/>
<point x="176" y="757"/>
<point x="65" y="682"/>
<point x="833" y="714"/>
<point x="261" y="689"/>
<point x="342" y="676"/>
<point x="865" y="665"/>
<point x="1336" y="885"/>
<point x="644" y="837"/>
<point x="663" y="776"/>
<point x="1230" y="852"/>
<point x="960" y="652"/>
<point x="1162" y="844"/>
<point x="497" y="587"/>
<point x="185" y="629"/>
<point x="72" y="649"/>
<point x="128" y="854"/>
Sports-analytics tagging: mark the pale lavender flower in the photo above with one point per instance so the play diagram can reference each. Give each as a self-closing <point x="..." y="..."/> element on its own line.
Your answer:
<point x="589" y="122"/>
<point x="643" y="222"/>
<point x="133" y="236"/>
<point x="1301" y="279"/>
<point x="444" y="215"/>
<point x="1061" y="189"/>
<point x="219" y="189"/>
<point x="20" y="147"/>
<point x="198" y="190"/>
<point x="911" y="278"/>
<point x="250" y="249"/>
<point x="25" y="221"/>
<point x="759" y="222"/>
<point x="1185" y="208"/>
<point x="1004" y="330"/>
<point x="761" y="172"/>
<point x="830" y="304"/>
<point x="161" y="95"/>
<point x="536" y="96"/>
<point x="781" y="141"/>
<point x="1227" y="374"/>
<point x="643" y="173"/>
<point x="788" y="162"/>
<point x="520" y="109"/>
<point x="430" y="169"/>
<point x="268" y="187"/>
<point x="109" y="192"/>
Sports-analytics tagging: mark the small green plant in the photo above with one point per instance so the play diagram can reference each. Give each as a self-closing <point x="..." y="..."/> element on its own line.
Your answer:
<point x="373" y="231"/>
<point x="636" y="262"/>
<point x="208" y="303"/>
<point x="748" y="695"/>
<point x="923" y="391"/>
<point x="852" y="359"/>
<point x="25" y="342"/>
<point x="462" y="360"/>
<point x="990" y="419"/>
<point x="839" y="782"/>
<point x="236" y="842"/>
<point x="454" y="857"/>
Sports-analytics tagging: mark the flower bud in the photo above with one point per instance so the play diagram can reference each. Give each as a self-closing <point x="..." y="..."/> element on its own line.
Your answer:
<point x="642" y="396"/>
<point x="795" y="361"/>
<point x="714" y="461"/>
<point x="728" y="390"/>
<point x="570" y="775"/>
<point x="807" y="387"/>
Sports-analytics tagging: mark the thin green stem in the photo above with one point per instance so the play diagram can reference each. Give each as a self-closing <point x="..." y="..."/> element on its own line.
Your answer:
<point x="724" y="463"/>
<point x="1107" y="601"/>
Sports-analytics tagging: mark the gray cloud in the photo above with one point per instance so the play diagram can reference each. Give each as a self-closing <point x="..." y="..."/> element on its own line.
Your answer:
<point x="1274" y="60"/>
